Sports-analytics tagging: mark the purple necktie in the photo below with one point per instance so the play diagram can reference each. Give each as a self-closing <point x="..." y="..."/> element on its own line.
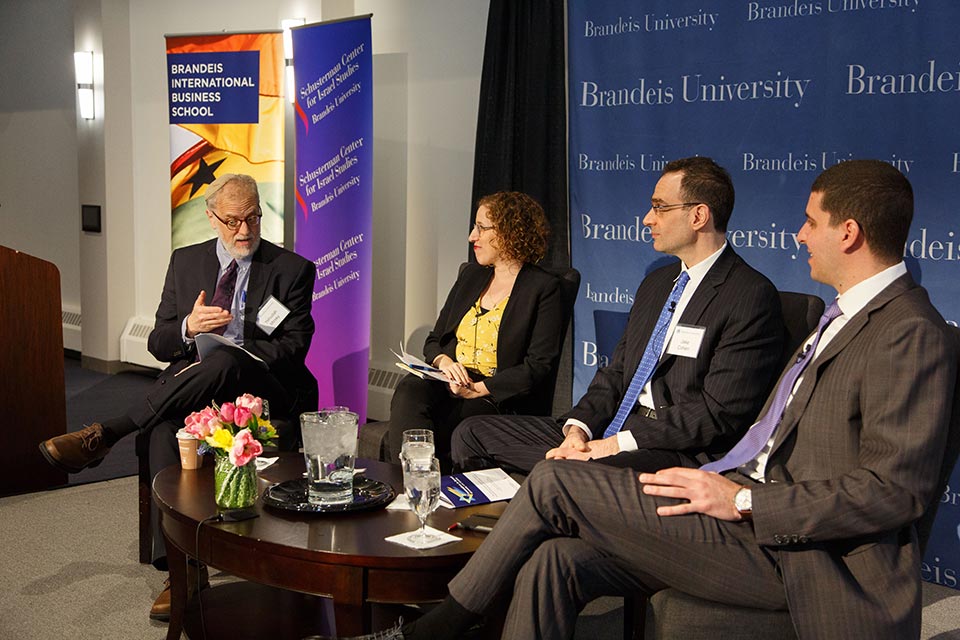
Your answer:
<point x="650" y="358"/>
<point x="756" y="438"/>
<point x="223" y="296"/>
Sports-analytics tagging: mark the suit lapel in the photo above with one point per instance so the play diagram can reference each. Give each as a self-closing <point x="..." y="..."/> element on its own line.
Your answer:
<point x="811" y="375"/>
<point x="516" y="294"/>
<point x="471" y="293"/>
<point x="211" y="270"/>
<point x="705" y="293"/>
<point x="261" y="266"/>
<point x="708" y="288"/>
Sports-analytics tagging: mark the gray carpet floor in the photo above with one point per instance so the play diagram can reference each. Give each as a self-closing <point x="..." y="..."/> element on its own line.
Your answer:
<point x="68" y="569"/>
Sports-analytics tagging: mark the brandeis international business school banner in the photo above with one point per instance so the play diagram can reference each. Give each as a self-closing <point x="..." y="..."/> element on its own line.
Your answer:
<point x="226" y="111"/>
<point x="776" y="91"/>
<point x="334" y="199"/>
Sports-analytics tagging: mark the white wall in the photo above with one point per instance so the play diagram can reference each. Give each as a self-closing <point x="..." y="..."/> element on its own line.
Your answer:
<point x="39" y="202"/>
<point x="443" y="45"/>
<point x="427" y="62"/>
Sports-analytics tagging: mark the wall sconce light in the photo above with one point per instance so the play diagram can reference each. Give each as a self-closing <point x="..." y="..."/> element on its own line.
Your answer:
<point x="286" y="25"/>
<point x="83" y="65"/>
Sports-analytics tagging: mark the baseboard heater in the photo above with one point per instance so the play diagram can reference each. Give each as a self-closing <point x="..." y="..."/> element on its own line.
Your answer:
<point x="71" y="328"/>
<point x="381" y="382"/>
<point x="133" y="343"/>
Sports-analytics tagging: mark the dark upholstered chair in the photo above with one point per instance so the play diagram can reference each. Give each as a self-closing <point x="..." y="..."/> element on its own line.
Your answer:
<point x="609" y="327"/>
<point x="373" y="435"/>
<point x="676" y="615"/>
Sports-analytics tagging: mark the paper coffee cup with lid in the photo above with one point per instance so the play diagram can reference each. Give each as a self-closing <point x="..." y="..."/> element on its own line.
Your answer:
<point x="189" y="456"/>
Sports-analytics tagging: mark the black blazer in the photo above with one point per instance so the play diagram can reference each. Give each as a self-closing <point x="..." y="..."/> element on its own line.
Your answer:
<point x="705" y="403"/>
<point x="273" y="271"/>
<point x="528" y="343"/>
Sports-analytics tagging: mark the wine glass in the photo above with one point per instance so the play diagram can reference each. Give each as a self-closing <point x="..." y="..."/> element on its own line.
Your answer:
<point x="417" y="445"/>
<point x="421" y="482"/>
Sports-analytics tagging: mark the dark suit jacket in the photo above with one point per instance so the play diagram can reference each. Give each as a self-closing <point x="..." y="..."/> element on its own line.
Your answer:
<point x="528" y="343"/>
<point x="273" y="271"/>
<point x="853" y="466"/>
<point x="705" y="403"/>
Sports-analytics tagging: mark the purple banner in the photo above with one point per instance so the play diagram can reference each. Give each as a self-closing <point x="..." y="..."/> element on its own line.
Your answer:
<point x="334" y="185"/>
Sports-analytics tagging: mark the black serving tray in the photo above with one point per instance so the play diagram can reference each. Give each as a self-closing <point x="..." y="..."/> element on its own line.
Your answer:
<point x="368" y="494"/>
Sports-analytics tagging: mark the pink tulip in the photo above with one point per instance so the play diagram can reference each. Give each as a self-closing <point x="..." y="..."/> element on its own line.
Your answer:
<point x="245" y="448"/>
<point x="251" y="402"/>
<point x="202" y="423"/>
<point x="191" y="425"/>
<point x="241" y="416"/>
<point x="226" y="411"/>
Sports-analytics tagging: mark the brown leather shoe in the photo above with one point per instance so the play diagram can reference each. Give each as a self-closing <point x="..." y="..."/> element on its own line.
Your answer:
<point x="76" y="451"/>
<point x="161" y="606"/>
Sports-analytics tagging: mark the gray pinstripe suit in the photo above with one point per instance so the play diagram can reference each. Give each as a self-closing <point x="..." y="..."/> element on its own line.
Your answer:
<point x="853" y="466"/>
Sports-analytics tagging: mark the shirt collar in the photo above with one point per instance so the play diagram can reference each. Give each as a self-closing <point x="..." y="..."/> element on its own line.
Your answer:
<point x="699" y="271"/>
<point x="856" y="297"/>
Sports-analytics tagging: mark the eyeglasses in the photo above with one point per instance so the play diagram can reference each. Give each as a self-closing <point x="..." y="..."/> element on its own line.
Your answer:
<point x="480" y="228"/>
<point x="233" y="224"/>
<point x="660" y="208"/>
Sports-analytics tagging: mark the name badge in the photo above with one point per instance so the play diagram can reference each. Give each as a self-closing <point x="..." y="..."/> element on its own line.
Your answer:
<point x="271" y="314"/>
<point x="686" y="340"/>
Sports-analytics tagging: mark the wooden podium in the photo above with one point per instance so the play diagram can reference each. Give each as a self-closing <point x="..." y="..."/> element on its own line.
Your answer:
<point x="32" y="398"/>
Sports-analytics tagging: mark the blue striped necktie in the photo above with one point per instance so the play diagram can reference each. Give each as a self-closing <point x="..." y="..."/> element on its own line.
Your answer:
<point x="751" y="444"/>
<point x="651" y="356"/>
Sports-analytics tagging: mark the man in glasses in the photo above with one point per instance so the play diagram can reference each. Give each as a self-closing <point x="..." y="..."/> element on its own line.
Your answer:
<point x="251" y="292"/>
<point x="700" y="351"/>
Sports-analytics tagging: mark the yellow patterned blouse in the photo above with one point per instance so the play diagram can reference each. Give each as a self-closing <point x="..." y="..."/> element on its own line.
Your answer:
<point x="477" y="338"/>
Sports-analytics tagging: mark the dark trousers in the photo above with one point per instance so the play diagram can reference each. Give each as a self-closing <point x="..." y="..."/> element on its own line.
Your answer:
<point x="220" y="377"/>
<point x="428" y="404"/>
<point x="517" y="443"/>
<point x="577" y="531"/>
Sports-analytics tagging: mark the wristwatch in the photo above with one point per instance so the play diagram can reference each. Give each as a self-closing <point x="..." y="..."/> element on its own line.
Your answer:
<point x="743" y="502"/>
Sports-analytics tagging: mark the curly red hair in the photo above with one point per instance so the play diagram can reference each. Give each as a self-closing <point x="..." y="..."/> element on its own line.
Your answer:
<point x="520" y="223"/>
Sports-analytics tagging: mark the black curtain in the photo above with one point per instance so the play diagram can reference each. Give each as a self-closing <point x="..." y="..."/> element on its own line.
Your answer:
<point x="522" y="128"/>
<point x="522" y="121"/>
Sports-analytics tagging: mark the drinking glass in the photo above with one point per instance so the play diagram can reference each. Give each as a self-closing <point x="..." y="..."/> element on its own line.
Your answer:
<point x="421" y="482"/>
<point x="329" y="448"/>
<point x="417" y="445"/>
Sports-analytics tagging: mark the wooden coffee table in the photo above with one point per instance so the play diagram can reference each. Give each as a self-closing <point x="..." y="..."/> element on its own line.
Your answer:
<point x="343" y="556"/>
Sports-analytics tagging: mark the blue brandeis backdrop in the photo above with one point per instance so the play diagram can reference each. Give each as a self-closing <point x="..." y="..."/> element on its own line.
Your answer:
<point x="776" y="92"/>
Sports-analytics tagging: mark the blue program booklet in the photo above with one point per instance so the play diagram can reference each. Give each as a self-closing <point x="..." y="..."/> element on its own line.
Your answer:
<point x="476" y="487"/>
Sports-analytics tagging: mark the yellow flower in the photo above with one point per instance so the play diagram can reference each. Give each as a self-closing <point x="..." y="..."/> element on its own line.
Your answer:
<point x="266" y="431"/>
<point x="220" y="439"/>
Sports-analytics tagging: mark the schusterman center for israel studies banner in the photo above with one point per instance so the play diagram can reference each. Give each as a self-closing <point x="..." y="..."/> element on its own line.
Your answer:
<point x="334" y="194"/>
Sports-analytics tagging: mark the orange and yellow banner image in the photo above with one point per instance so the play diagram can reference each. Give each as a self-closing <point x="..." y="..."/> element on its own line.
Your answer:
<point x="226" y="115"/>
